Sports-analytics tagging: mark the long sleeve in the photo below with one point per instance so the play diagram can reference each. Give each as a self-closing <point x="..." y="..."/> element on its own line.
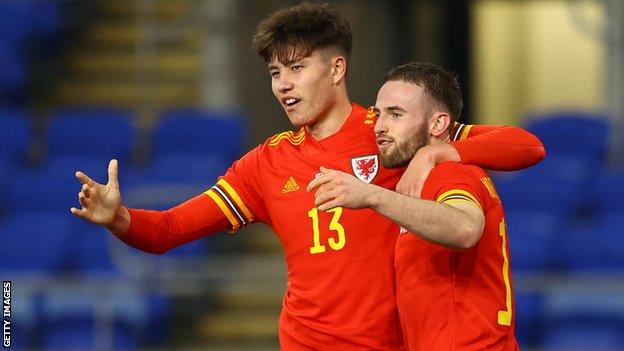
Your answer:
<point x="499" y="148"/>
<point x="159" y="231"/>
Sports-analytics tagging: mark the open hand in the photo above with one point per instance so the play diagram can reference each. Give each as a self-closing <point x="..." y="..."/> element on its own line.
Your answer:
<point x="99" y="202"/>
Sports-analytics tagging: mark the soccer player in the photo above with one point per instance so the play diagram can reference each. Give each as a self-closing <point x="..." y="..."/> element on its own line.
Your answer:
<point x="340" y="291"/>
<point x="452" y="259"/>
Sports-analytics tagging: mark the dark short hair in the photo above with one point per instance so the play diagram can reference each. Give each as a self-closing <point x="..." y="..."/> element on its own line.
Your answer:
<point x="295" y="32"/>
<point x="439" y="84"/>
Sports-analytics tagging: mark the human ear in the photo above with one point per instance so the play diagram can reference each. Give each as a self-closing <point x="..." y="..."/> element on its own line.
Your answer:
<point x="438" y="123"/>
<point x="338" y="69"/>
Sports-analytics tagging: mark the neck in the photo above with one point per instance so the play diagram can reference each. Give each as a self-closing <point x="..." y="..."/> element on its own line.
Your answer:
<point x="333" y="119"/>
<point x="436" y="140"/>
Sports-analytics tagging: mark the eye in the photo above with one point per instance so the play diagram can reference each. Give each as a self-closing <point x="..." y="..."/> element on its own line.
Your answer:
<point x="274" y="74"/>
<point x="296" y="67"/>
<point x="395" y="115"/>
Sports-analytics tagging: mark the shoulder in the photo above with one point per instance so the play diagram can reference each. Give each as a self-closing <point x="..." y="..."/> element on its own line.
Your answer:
<point x="452" y="181"/>
<point x="456" y="169"/>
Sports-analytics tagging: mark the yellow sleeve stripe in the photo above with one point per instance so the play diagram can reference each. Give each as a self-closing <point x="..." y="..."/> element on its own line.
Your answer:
<point x="224" y="208"/>
<point x="234" y="197"/>
<point x="460" y="131"/>
<point x="458" y="194"/>
<point x="464" y="200"/>
<point x="465" y="132"/>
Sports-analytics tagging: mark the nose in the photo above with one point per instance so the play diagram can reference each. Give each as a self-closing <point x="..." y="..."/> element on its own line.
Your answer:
<point x="380" y="126"/>
<point x="284" y="84"/>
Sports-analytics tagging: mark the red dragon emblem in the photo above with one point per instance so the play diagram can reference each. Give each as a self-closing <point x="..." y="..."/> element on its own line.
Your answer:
<point x="365" y="167"/>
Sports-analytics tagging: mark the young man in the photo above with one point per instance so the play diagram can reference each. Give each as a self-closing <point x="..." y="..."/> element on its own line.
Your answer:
<point x="452" y="268"/>
<point x="340" y="292"/>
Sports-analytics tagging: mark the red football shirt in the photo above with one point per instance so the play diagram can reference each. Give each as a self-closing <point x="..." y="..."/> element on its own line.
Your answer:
<point x="457" y="300"/>
<point x="340" y="290"/>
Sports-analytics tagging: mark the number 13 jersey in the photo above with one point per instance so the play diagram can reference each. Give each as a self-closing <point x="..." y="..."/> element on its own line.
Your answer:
<point x="340" y="272"/>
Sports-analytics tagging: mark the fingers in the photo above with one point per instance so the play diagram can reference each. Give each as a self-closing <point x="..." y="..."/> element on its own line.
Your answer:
<point x="325" y="196"/>
<point x="113" y="171"/>
<point x="84" y="179"/>
<point x="82" y="213"/>
<point x="410" y="189"/>
<point x="82" y="199"/>
<point x="318" y="181"/>
<point x="329" y="205"/>
<point x="86" y="190"/>
<point x="416" y="191"/>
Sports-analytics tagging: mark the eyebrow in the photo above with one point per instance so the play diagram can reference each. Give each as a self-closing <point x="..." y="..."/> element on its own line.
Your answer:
<point x="287" y="63"/>
<point x="395" y="109"/>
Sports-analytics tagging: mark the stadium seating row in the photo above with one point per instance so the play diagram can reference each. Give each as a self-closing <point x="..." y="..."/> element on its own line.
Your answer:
<point x="107" y="133"/>
<point x="101" y="315"/>
<point x="21" y="24"/>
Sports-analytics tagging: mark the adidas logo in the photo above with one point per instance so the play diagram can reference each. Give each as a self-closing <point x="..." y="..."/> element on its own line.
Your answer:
<point x="290" y="186"/>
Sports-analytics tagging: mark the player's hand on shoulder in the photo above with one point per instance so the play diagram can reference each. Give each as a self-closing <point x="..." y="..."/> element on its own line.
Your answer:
<point x="99" y="202"/>
<point x="338" y="189"/>
<point x="416" y="173"/>
<point x="419" y="168"/>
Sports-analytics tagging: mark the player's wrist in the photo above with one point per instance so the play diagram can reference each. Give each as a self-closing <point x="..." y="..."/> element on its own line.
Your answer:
<point x="374" y="197"/>
<point x="440" y="153"/>
<point x="120" y="222"/>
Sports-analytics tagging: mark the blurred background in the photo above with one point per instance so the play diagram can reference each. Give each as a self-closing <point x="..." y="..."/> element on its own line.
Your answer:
<point x="173" y="90"/>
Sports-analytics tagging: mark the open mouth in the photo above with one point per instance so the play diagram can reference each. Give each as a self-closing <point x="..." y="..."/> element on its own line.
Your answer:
<point x="383" y="143"/>
<point x="290" y="102"/>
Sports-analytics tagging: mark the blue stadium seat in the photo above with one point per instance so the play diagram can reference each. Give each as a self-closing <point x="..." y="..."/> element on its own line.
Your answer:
<point x="53" y="187"/>
<point x="191" y="131"/>
<point x="157" y="194"/>
<point x="35" y="243"/>
<point x="14" y="134"/>
<point x="584" y="334"/>
<point x="178" y="168"/>
<point x="572" y="133"/>
<point x="39" y="191"/>
<point x="532" y="240"/>
<point x="529" y="319"/>
<point x="83" y="335"/>
<point x="13" y="75"/>
<point x="556" y="185"/>
<point x="606" y="192"/>
<point x="67" y="165"/>
<point x="594" y="246"/>
<point x="24" y="308"/>
<point x="580" y="320"/>
<point x="73" y="318"/>
<point x="47" y="18"/>
<point x="21" y="23"/>
<point x="102" y="133"/>
<point x="16" y="21"/>
<point x="92" y="248"/>
<point x="6" y="173"/>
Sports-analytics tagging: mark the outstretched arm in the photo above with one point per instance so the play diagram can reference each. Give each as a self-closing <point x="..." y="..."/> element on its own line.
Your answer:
<point x="499" y="148"/>
<point x="151" y="231"/>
